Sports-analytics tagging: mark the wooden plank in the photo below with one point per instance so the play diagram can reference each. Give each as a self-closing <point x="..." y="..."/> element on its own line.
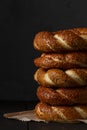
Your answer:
<point x="7" y="124"/>
<point x="56" y="126"/>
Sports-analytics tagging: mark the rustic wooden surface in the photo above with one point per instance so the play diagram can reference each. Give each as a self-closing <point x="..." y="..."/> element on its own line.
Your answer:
<point x="7" y="124"/>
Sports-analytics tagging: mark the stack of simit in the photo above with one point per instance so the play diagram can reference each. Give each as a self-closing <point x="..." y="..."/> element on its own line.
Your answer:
<point x="61" y="74"/>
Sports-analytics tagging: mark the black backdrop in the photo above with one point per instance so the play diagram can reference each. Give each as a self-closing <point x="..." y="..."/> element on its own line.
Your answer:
<point x="20" y="20"/>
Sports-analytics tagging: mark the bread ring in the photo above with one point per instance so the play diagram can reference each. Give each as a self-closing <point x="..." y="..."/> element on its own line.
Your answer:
<point x="62" y="96"/>
<point x="62" y="61"/>
<point x="60" y="113"/>
<point x="60" y="78"/>
<point x="59" y="41"/>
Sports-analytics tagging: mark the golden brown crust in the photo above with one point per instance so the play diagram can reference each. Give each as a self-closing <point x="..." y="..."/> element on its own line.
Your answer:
<point x="60" y="78"/>
<point x="62" y="96"/>
<point x="80" y="31"/>
<point x="62" y="61"/>
<point x="60" y="113"/>
<point x="59" y="41"/>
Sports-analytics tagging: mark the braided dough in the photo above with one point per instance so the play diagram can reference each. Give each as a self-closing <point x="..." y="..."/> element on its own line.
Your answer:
<point x="60" y="113"/>
<point x="62" y="61"/>
<point x="65" y="40"/>
<point x="62" y="96"/>
<point x="60" y="78"/>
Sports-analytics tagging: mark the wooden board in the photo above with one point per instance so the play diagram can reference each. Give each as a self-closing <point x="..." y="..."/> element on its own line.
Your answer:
<point x="7" y="124"/>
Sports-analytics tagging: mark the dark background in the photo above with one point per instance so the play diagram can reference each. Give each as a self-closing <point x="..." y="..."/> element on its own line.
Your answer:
<point x="20" y="20"/>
